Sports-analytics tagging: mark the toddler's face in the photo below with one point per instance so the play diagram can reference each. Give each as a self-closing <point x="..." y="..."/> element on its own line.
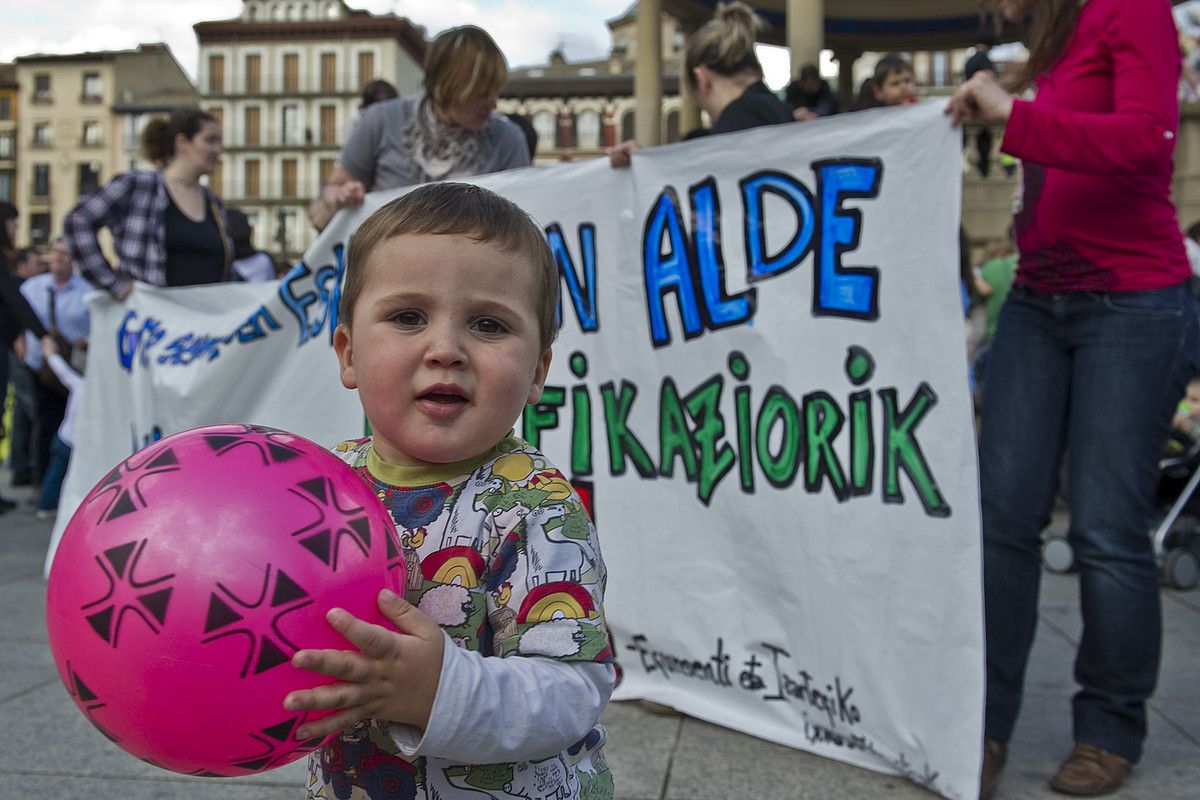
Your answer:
<point x="898" y="88"/>
<point x="445" y="350"/>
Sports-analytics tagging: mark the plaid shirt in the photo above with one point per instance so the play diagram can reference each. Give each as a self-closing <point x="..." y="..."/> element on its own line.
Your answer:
<point x="132" y="206"/>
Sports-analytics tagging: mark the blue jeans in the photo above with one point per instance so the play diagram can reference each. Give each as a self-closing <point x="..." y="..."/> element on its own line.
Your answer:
<point x="56" y="470"/>
<point x="1097" y="375"/>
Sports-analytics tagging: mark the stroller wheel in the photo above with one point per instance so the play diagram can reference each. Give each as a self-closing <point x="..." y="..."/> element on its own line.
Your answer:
<point x="1057" y="554"/>
<point x="1181" y="569"/>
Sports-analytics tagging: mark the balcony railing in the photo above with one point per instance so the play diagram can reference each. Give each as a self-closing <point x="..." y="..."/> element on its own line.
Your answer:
<point x="340" y="83"/>
<point x="299" y="193"/>
<point x="271" y="137"/>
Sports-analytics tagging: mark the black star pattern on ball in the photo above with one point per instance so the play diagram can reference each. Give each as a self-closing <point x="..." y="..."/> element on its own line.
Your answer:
<point x="278" y="745"/>
<point x="88" y="701"/>
<point x="120" y="492"/>
<point x="334" y="524"/>
<point x="257" y="620"/>
<point x="126" y="595"/>
<point x="266" y="440"/>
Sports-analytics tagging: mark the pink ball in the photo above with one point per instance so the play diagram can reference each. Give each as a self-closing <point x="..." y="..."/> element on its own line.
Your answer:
<point x="190" y="575"/>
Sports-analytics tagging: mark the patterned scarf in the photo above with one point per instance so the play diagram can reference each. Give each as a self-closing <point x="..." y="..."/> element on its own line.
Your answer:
<point x="443" y="151"/>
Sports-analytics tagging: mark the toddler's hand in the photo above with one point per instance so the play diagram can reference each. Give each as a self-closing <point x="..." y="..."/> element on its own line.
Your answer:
<point x="394" y="677"/>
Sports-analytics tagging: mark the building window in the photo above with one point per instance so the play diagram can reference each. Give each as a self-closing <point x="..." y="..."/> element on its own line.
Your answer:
<point x="253" y="73"/>
<point x="289" y="126"/>
<point x="328" y="130"/>
<point x="587" y="130"/>
<point x="673" y="126"/>
<point x="366" y="68"/>
<point x="5" y="108"/>
<point x="91" y="133"/>
<point x="91" y="87"/>
<point x="41" y="180"/>
<point x="290" y="189"/>
<point x="6" y="186"/>
<point x="216" y="179"/>
<point x="41" y="134"/>
<point x="216" y="74"/>
<point x="324" y="169"/>
<point x="89" y="178"/>
<point x="566" y="131"/>
<point x="218" y="114"/>
<point x="252" y="133"/>
<point x="6" y="145"/>
<point x="545" y="125"/>
<point x="288" y="233"/>
<point x="291" y="73"/>
<point x="628" y="123"/>
<point x="250" y="178"/>
<point x="941" y="68"/>
<point x="328" y="72"/>
<point x="41" y="88"/>
<point x="39" y="229"/>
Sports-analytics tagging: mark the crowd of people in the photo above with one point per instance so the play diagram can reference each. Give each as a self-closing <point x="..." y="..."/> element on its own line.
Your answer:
<point x="1088" y="337"/>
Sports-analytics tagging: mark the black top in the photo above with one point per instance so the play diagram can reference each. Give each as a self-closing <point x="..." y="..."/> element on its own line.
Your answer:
<point x="824" y="103"/>
<point x="977" y="62"/>
<point x="195" y="250"/>
<point x="16" y="314"/>
<point x="757" y="106"/>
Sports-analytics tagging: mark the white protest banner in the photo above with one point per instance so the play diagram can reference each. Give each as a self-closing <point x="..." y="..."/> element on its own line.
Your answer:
<point x="760" y="388"/>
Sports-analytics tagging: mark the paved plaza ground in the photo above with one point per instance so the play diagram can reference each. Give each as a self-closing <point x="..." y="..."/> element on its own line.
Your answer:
<point x="48" y="751"/>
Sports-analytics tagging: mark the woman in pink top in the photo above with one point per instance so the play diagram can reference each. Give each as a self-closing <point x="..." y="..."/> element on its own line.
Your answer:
<point x="1092" y="349"/>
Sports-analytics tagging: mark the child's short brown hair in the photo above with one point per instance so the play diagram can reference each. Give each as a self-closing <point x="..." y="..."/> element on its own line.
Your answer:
<point x="889" y="65"/>
<point x="456" y="209"/>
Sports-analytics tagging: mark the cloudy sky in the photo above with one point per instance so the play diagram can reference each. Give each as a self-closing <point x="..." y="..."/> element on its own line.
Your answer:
<point x="527" y="30"/>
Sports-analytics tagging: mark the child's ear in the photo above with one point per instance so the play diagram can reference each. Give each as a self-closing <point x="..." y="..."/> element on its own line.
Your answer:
<point x="345" y="355"/>
<point x="539" y="376"/>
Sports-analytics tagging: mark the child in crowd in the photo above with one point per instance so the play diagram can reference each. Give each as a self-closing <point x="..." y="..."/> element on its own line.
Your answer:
<point x="494" y="682"/>
<point x="894" y="81"/>
<point x="1187" y="415"/>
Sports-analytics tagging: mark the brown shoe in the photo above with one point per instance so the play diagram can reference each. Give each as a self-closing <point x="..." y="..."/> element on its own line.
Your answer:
<point x="994" y="755"/>
<point x="1090" y="771"/>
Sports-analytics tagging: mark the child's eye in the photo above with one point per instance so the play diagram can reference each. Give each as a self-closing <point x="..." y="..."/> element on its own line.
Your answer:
<point x="489" y="325"/>
<point x="407" y="318"/>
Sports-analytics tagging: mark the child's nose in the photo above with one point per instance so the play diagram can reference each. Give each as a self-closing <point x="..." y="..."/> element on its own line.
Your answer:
<point x="445" y="349"/>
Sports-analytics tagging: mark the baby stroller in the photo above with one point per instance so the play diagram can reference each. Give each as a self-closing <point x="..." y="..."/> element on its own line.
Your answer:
<point x="1176" y="536"/>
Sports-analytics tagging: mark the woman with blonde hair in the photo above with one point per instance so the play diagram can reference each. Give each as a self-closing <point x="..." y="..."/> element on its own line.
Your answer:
<point x="168" y="228"/>
<point x="448" y="130"/>
<point x="725" y="77"/>
<point x="724" y="74"/>
<point x="1093" y="348"/>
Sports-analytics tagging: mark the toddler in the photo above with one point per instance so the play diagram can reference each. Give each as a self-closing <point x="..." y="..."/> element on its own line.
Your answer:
<point x="494" y="680"/>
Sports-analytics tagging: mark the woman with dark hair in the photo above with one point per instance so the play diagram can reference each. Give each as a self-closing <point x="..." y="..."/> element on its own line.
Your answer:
<point x="1092" y="349"/>
<point x="449" y="130"/>
<point x="167" y="227"/>
<point x="376" y="91"/>
<point x="15" y="313"/>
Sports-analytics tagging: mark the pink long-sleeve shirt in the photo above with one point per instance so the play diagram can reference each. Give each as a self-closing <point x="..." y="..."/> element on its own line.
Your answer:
<point x="1097" y="144"/>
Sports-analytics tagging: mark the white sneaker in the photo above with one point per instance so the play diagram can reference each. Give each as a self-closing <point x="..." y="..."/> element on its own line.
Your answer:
<point x="44" y="513"/>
